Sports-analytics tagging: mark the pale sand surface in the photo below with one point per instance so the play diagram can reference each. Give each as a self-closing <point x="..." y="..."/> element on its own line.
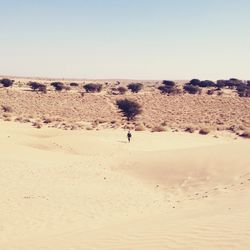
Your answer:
<point x="74" y="190"/>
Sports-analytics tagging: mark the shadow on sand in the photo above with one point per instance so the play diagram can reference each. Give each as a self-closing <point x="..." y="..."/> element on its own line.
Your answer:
<point x="122" y="141"/>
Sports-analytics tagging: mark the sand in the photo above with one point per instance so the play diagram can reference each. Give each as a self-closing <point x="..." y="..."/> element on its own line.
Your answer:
<point x="75" y="190"/>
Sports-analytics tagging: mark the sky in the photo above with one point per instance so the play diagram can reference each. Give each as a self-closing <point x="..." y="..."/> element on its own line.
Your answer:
<point x="129" y="39"/>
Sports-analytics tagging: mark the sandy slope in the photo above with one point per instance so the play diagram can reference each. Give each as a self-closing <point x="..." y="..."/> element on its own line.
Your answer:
<point x="65" y="190"/>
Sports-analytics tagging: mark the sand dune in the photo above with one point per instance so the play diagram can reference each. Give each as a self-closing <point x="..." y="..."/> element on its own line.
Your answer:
<point x="93" y="190"/>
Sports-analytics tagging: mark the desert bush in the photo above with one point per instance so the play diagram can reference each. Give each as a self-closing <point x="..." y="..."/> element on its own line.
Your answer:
<point x="207" y="83"/>
<point x="38" y="86"/>
<point x="231" y="83"/>
<point x="6" y="82"/>
<point x="7" y="109"/>
<point x="202" y="84"/>
<point x="243" y="90"/>
<point x="165" y="89"/>
<point x="190" y="129"/>
<point x="221" y="84"/>
<point x="210" y="91"/>
<point x="129" y="108"/>
<point x="246" y="134"/>
<point x="168" y="83"/>
<point x="92" y="87"/>
<point x="204" y="131"/>
<point x="195" y="82"/>
<point x="235" y="82"/>
<point x="169" y="87"/>
<point x="74" y="84"/>
<point x="59" y="86"/>
<point x="135" y="87"/>
<point x="33" y="85"/>
<point x="191" y="89"/>
<point x="47" y="120"/>
<point x="122" y="90"/>
<point x="42" y="88"/>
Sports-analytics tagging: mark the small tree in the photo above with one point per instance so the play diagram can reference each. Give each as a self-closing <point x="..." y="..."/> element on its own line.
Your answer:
<point x="206" y="83"/>
<point x="33" y="85"/>
<point x="92" y="87"/>
<point x="168" y="83"/>
<point x="129" y="108"/>
<point x="221" y="84"/>
<point x="59" y="86"/>
<point x="195" y="82"/>
<point x="6" y="82"/>
<point x="243" y="90"/>
<point x="191" y="89"/>
<point x="165" y="89"/>
<point x="135" y="87"/>
<point x="38" y="86"/>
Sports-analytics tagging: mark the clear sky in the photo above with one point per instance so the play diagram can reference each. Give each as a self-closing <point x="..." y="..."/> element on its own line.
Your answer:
<point x="139" y="39"/>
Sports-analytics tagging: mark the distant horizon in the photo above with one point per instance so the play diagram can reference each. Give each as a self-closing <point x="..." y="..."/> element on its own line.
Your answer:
<point x="111" y="79"/>
<point x="125" y="39"/>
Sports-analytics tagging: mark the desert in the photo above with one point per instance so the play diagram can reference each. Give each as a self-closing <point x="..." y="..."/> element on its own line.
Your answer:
<point x="70" y="179"/>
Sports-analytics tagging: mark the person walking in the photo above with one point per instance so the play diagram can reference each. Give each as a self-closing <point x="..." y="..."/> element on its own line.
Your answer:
<point x="129" y="135"/>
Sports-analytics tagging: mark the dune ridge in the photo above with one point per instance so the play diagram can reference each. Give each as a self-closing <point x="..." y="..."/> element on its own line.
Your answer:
<point x="93" y="190"/>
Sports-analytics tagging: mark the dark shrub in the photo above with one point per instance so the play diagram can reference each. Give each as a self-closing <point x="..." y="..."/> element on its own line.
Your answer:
<point x="165" y="89"/>
<point x="190" y="129"/>
<point x="246" y="134"/>
<point x="7" y="109"/>
<point x="34" y="85"/>
<point x="122" y="90"/>
<point x="92" y="87"/>
<point x="243" y="90"/>
<point x="59" y="86"/>
<point x="6" y="82"/>
<point x="210" y="91"/>
<point x="42" y="88"/>
<point x="202" y="84"/>
<point x="38" y="86"/>
<point x="168" y="83"/>
<point x="233" y="82"/>
<point x="221" y="84"/>
<point x="191" y="89"/>
<point x="204" y="131"/>
<point x="74" y="84"/>
<point x="206" y="83"/>
<point x="135" y="87"/>
<point x="129" y="108"/>
<point x="195" y="82"/>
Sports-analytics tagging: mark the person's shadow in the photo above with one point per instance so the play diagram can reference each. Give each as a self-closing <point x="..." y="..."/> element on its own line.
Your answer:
<point x="122" y="141"/>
